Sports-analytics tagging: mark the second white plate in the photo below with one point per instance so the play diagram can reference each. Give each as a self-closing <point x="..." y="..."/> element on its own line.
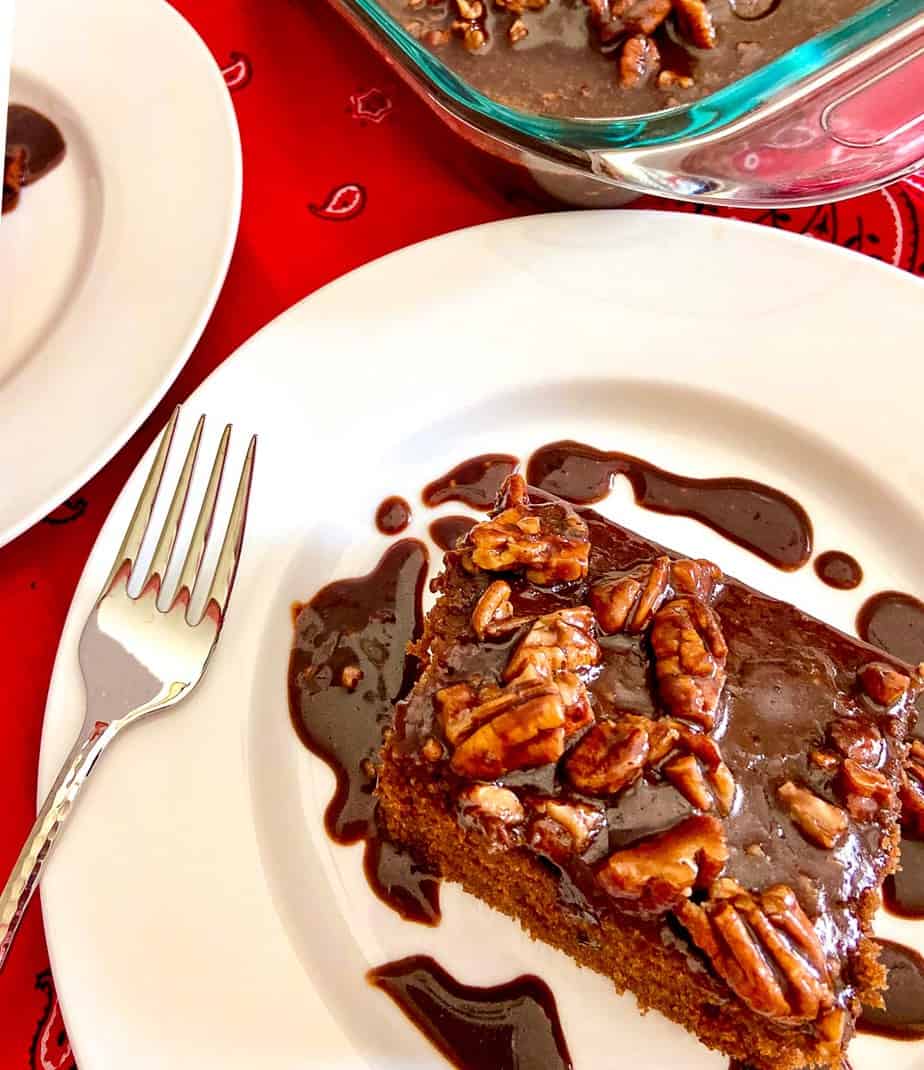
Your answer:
<point x="113" y="261"/>
<point x="195" y="889"/>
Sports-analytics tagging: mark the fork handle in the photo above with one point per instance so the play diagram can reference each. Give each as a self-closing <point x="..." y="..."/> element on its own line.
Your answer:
<point x="54" y="812"/>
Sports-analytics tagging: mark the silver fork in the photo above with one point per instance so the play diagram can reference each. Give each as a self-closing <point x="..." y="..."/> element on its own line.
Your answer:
<point x="137" y="659"/>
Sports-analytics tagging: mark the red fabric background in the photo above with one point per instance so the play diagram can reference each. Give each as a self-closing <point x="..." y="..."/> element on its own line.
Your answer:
<point x="310" y="125"/>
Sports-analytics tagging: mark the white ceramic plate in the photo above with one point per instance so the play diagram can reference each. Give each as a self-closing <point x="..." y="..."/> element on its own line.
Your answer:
<point x="113" y="261"/>
<point x="195" y="891"/>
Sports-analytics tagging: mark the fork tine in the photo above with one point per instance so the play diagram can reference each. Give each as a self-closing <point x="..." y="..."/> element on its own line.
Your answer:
<point x="161" y="558"/>
<point x="226" y="569"/>
<point x="134" y="536"/>
<point x="203" y="526"/>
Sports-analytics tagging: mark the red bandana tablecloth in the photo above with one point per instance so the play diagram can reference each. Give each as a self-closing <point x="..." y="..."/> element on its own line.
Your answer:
<point x="341" y="165"/>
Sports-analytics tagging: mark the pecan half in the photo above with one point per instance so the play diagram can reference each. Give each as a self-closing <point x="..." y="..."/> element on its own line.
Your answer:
<point x="639" y="61"/>
<point x="705" y="749"/>
<point x="610" y="757"/>
<point x="913" y="790"/>
<point x="753" y="941"/>
<point x="662" y="870"/>
<point x="695" y="22"/>
<point x="884" y="685"/>
<point x="493" y="606"/>
<point x="690" y="654"/>
<point x="526" y="729"/>
<point x="556" y="642"/>
<point x="549" y="541"/>
<point x="820" y="822"/>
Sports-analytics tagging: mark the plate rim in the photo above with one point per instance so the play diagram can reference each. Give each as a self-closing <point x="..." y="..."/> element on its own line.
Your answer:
<point x="67" y="486"/>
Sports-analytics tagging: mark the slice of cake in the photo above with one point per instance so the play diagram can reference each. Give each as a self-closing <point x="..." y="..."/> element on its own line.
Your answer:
<point x="682" y="783"/>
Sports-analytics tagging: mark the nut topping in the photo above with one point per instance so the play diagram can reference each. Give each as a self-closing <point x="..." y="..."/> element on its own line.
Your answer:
<point x="561" y="830"/>
<point x="857" y="739"/>
<point x="660" y="871"/>
<point x="493" y="606"/>
<point x="690" y="654"/>
<point x="820" y="822"/>
<point x="549" y="542"/>
<point x="627" y="603"/>
<point x="487" y="802"/>
<point x="864" y="790"/>
<point x="517" y="30"/>
<point x="520" y="728"/>
<point x="882" y="683"/>
<point x="687" y="777"/>
<point x="638" y="61"/>
<point x="695" y="22"/>
<point x="751" y="940"/>
<point x="556" y="642"/>
<point x="610" y="757"/>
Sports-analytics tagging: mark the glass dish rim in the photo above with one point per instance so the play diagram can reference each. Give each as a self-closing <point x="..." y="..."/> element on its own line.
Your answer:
<point x="667" y="127"/>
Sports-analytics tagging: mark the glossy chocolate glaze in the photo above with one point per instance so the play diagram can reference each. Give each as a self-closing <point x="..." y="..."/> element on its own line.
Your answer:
<point x="789" y="676"/>
<point x="560" y="69"/>
<point x="29" y="131"/>
<point x="446" y="531"/>
<point x="902" y="1018"/>
<point x="838" y="569"/>
<point x="362" y="624"/>
<point x="760" y="518"/>
<point x="475" y="482"/>
<point x="393" y="515"/>
<point x="512" y="1026"/>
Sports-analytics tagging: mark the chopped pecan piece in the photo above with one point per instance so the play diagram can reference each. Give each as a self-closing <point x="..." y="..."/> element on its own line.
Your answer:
<point x="882" y="683"/>
<point x="695" y="22"/>
<point x="638" y="61"/>
<point x="662" y="870"/>
<point x="913" y="790"/>
<point x="518" y="7"/>
<point x="517" y="30"/>
<point x="470" y="9"/>
<point x="690" y="654"/>
<point x="489" y="803"/>
<point x="820" y="822"/>
<point x="578" y="711"/>
<point x="561" y="830"/>
<point x="610" y="757"/>
<point x="523" y="727"/>
<point x="751" y="939"/>
<point x="857" y="739"/>
<point x="668" y="79"/>
<point x="687" y="777"/>
<point x="351" y="676"/>
<point x="863" y="790"/>
<point x="627" y="603"/>
<point x="556" y="642"/>
<point x="474" y="38"/>
<point x="493" y="606"/>
<point x="706" y="750"/>
<point x="824" y="759"/>
<point x="549" y="542"/>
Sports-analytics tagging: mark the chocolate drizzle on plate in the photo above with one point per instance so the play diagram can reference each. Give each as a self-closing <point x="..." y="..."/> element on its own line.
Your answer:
<point x="512" y="1026"/>
<point x="347" y="669"/>
<point x="903" y="892"/>
<point x="476" y="482"/>
<point x="34" y="146"/>
<point x="753" y="515"/>
<point x="393" y="515"/>
<point x="838" y="569"/>
<point x="447" y="530"/>
<point x="902" y="1018"/>
<point x="894" y="621"/>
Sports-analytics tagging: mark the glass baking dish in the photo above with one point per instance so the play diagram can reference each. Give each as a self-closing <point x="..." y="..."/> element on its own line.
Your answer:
<point x="841" y="114"/>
